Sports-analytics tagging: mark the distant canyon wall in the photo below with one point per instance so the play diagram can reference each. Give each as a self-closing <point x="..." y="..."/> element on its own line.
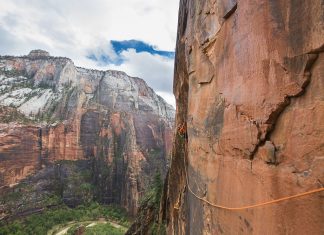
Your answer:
<point x="53" y="112"/>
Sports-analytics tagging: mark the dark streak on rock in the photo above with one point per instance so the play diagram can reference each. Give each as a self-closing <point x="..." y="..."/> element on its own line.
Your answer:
<point x="230" y="12"/>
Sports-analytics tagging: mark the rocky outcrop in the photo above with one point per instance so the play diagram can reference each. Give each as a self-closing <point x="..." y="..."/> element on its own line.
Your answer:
<point x="54" y="114"/>
<point x="249" y="90"/>
<point x="38" y="54"/>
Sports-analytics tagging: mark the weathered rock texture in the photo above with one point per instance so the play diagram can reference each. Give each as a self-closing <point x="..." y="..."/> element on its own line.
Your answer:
<point x="52" y="111"/>
<point x="249" y="88"/>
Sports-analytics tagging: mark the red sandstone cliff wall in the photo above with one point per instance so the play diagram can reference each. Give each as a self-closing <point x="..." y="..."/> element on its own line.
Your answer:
<point x="249" y="87"/>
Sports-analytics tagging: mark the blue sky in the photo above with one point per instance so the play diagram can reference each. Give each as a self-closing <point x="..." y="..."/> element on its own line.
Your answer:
<point x="139" y="46"/>
<point x="120" y="46"/>
<point x="134" y="36"/>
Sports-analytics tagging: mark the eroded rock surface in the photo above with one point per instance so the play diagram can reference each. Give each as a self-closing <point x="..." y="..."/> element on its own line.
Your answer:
<point x="55" y="117"/>
<point x="249" y="89"/>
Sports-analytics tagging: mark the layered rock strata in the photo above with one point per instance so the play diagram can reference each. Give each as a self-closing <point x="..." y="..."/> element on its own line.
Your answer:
<point x="53" y="112"/>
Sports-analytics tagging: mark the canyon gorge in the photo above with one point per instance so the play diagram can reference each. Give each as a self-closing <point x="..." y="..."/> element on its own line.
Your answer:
<point x="243" y="153"/>
<point x="75" y="135"/>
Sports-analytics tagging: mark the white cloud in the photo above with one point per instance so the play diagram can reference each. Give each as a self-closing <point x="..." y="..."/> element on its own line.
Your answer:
<point x="87" y="22"/>
<point x="73" y="27"/>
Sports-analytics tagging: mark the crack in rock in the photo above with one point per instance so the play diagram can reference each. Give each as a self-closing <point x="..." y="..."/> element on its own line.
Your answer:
<point x="230" y="12"/>
<point x="297" y="67"/>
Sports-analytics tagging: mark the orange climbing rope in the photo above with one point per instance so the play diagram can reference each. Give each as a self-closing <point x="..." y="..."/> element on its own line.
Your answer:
<point x="249" y="206"/>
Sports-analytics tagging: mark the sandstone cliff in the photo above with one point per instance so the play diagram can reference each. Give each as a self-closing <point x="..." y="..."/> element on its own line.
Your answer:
<point x="77" y="132"/>
<point x="250" y="92"/>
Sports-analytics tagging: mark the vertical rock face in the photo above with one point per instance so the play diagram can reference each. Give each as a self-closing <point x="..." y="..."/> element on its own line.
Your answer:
<point x="53" y="113"/>
<point x="249" y="89"/>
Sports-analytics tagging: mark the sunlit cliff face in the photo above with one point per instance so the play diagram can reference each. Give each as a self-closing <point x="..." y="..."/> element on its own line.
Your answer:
<point x="248" y="88"/>
<point x="53" y="111"/>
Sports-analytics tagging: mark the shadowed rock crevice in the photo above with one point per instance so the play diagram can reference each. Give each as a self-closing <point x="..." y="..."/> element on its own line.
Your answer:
<point x="300" y="66"/>
<point x="230" y="12"/>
